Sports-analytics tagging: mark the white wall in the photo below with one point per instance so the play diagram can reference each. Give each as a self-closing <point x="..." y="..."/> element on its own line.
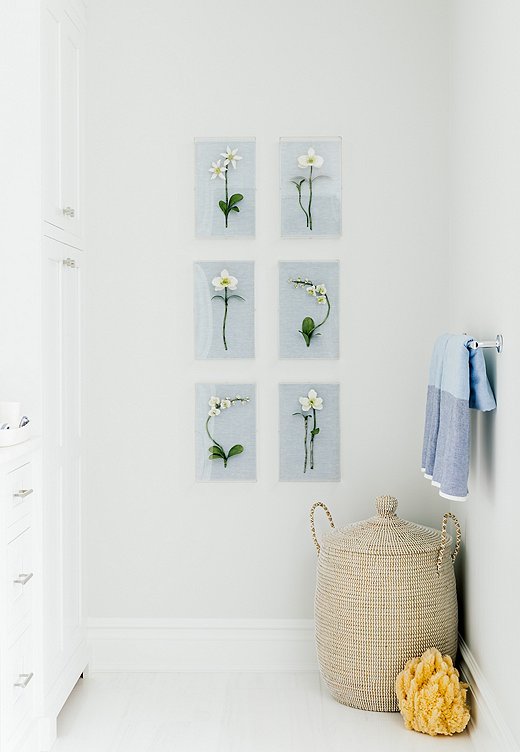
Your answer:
<point x="20" y="206"/>
<point x="160" y="73"/>
<point x="485" y="273"/>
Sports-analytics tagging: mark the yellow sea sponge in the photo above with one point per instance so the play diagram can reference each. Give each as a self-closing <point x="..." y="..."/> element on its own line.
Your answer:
<point x="431" y="697"/>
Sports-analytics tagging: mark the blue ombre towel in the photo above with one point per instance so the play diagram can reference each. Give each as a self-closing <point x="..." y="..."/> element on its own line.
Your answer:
<point x="457" y="381"/>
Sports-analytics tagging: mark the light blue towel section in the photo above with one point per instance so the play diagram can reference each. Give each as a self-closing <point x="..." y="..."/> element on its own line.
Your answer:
<point x="457" y="381"/>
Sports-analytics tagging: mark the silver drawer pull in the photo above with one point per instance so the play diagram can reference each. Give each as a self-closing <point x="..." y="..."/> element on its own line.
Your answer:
<point x="23" y="680"/>
<point x="23" y="579"/>
<point x="68" y="211"/>
<point x="23" y="493"/>
<point x="70" y="263"/>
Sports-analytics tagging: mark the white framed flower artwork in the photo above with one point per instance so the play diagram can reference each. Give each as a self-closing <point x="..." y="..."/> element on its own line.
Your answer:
<point x="225" y="432"/>
<point x="225" y="174"/>
<point x="309" y="432"/>
<point x="224" y="309"/>
<point x="310" y="187"/>
<point x="309" y="294"/>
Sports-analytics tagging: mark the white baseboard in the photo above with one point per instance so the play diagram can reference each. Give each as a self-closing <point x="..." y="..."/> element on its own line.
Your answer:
<point x="223" y="645"/>
<point x="488" y="729"/>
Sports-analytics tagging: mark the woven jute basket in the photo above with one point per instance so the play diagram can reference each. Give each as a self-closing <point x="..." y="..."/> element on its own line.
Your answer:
<point x="385" y="592"/>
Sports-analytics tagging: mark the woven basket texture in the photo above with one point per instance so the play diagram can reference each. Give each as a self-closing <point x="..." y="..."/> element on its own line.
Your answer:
<point x="385" y="592"/>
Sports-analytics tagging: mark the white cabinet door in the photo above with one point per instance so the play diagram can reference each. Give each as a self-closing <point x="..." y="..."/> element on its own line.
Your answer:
<point x="62" y="594"/>
<point x="62" y="84"/>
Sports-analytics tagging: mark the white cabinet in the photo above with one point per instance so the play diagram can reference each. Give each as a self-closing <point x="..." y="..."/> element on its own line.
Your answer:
<point x="62" y="79"/>
<point x="64" y="646"/>
<point x="20" y="596"/>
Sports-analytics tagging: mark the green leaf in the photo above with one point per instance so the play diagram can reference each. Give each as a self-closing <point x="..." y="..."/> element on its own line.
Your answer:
<point x="236" y="296"/>
<point x="315" y="431"/>
<point x="303" y="416"/>
<point x="305" y="337"/>
<point x="216" y="450"/>
<point x="237" y="449"/>
<point x="219" y="296"/>
<point x="235" y="198"/>
<point x="223" y="206"/>
<point x="216" y="457"/>
<point x="298" y="184"/>
<point x="234" y="208"/>
<point x="308" y="325"/>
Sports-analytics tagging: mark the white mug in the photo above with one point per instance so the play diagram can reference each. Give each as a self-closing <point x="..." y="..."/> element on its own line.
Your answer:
<point x="10" y="413"/>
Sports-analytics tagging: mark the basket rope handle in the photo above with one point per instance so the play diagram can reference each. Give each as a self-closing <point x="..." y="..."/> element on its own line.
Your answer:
<point x="313" y="529"/>
<point x="444" y="539"/>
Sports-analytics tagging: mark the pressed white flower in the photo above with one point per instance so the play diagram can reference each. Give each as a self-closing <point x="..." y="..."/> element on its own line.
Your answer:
<point x="321" y="300"/>
<point x="230" y="156"/>
<point x="213" y="412"/>
<point x="311" y="401"/>
<point x="225" y="280"/>
<point x="321" y="289"/>
<point x="213" y="401"/>
<point x="225" y="404"/>
<point x="217" y="169"/>
<point x="311" y="159"/>
<point x="311" y="291"/>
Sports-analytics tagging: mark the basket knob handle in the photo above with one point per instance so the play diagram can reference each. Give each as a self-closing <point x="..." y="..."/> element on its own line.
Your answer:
<point x="313" y="529"/>
<point x="444" y="539"/>
<point x="386" y="506"/>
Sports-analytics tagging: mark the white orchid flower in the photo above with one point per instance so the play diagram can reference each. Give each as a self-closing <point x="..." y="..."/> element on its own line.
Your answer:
<point x="214" y="401"/>
<point x="311" y="159"/>
<point x="217" y="169"/>
<point x="321" y="300"/>
<point x="213" y="412"/>
<point x="311" y="291"/>
<point x="225" y="280"/>
<point x="225" y="404"/>
<point x="321" y="289"/>
<point x="311" y="401"/>
<point x="230" y="156"/>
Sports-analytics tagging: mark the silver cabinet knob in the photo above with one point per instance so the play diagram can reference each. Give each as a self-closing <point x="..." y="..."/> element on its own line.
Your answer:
<point x="68" y="211"/>
<point x="23" y="493"/>
<point x="71" y="263"/>
<point x="23" y="680"/>
<point x="23" y="579"/>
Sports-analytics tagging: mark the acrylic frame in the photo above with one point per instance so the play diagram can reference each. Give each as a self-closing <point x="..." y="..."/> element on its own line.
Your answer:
<point x="224" y="318"/>
<point x="234" y="425"/>
<point x="301" y="301"/>
<point x="212" y="211"/>
<point x="310" y="187"/>
<point x="298" y="449"/>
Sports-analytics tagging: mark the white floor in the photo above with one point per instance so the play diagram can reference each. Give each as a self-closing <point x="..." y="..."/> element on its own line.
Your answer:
<point x="227" y="713"/>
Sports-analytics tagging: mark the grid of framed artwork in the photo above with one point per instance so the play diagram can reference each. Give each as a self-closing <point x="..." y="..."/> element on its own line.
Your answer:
<point x="308" y="309"/>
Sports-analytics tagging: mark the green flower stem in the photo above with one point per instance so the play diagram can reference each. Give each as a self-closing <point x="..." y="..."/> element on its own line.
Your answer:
<point x="309" y="225"/>
<point x="305" y="418"/>
<point x="326" y="317"/>
<point x="312" y="438"/>
<point x="226" y="310"/>
<point x="215" y="441"/>
<point x="227" y="200"/>
<point x="299" y="187"/>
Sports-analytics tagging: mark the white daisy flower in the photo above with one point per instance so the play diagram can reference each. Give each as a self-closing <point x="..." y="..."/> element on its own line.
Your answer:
<point x="225" y="404"/>
<point x="311" y="401"/>
<point x="311" y="159"/>
<point x="225" y="280"/>
<point x="321" y="300"/>
<point x="213" y="412"/>
<point x="230" y="156"/>
<point x="218" y="170"/>
<point x="311" y="291"/>
<point x="321" y="289"/>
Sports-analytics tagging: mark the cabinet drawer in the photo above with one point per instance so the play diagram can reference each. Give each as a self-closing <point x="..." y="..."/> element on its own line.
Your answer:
<point x="19" y="678"/>
<point x="20" y="492"/>
<point x="20" y="578"/>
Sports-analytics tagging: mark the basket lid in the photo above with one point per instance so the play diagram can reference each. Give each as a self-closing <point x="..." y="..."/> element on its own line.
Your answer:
<point x="385" y="533"/>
